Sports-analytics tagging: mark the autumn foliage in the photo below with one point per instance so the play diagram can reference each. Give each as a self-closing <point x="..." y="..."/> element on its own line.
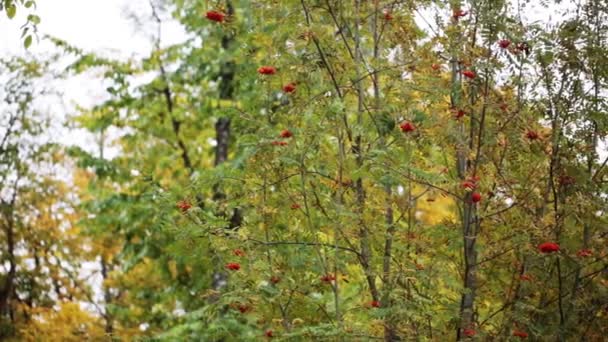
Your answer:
<point x="317" y="171"/>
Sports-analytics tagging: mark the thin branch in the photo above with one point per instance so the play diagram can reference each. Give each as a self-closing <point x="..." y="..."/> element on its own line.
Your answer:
<point x="307" y="244"/>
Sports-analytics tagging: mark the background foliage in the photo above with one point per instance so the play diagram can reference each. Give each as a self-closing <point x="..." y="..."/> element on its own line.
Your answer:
<point x="382" y="180"/>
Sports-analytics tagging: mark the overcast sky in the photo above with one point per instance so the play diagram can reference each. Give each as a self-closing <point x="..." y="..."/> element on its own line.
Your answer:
<point x="101" y="26"/>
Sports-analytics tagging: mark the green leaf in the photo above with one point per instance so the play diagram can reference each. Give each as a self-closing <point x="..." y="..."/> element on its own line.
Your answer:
<point x="27" y="42"/>
<point x="11" y="10"/>
<point x="419" y="116"/>
<point x="34" y="19"/>
<point x="385" y="123"/>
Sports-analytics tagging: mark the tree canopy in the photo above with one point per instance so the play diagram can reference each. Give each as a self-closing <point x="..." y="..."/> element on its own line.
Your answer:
<point x="317" y="170"/>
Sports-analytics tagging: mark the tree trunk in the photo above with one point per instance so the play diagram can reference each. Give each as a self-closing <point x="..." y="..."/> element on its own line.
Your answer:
<point x="469" y="227"/>
<point x="107" y="297"/>
<point x="7" y="290"/>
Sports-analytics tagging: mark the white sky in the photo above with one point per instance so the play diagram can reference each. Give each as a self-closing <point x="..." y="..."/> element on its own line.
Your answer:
<point x="100" y="26"/>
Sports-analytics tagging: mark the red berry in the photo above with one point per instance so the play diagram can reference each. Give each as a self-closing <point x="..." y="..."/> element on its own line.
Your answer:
<point x="470" y="74"/>
<point x="267" y="70"/>
<point x="407" y="127"/>
<point x="460" y="113"/>
<point x="468" y="184"/>
<point x="233" y="266"/>
<point x="532" y="135"/>
<point x="286" y="134"/>
<point x="243" y="308"/>
<point x="289" y="87"/>
<point x="566" y="180"/>
<point x="388" y="16"/>
<point x="268" y="333"/>
<point x="435" y="66"/>
<point x="475" y="197"/>
<point x="469" y="332"/>
<point x="504" y="43"/>
<point x="458" y="13"/>
<point x="548" y="247"/>
<point x="328" y="278"/>
<point x="275" y="279"/>
<point x="215" y="16"/>
<point x="184" y="205"/>
<point x="583" y="253"/>
<point x="523" y="46"/>
<point x="520" y="334"/>
<point x="374" y="304"/>
<point x="295" y="206"/>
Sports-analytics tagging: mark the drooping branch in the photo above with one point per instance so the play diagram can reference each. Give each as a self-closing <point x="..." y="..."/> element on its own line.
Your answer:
<point x="168" y="95"/>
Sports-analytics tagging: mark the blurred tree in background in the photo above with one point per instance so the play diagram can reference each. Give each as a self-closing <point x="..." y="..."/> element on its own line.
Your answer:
<point x="321" y="170"/>
<point x="42" y="249"/>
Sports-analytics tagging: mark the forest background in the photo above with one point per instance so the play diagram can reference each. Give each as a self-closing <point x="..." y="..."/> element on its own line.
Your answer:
<point x="303" y="170"/>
